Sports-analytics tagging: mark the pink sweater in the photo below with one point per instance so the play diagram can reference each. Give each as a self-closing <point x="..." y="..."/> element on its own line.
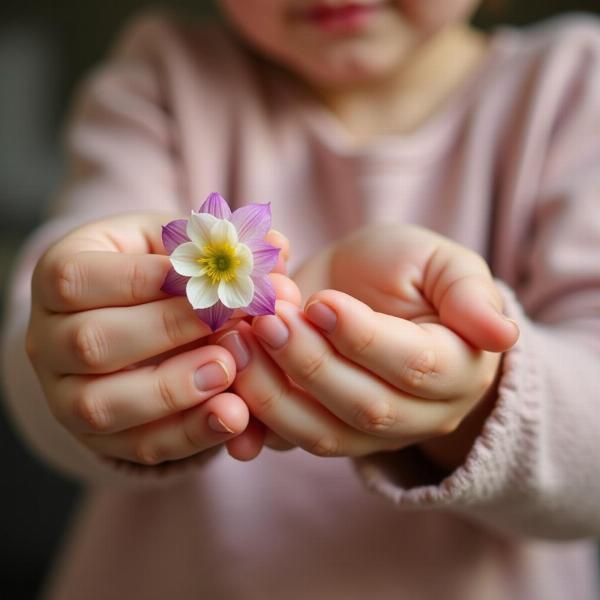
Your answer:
<point x="510" y="168"/>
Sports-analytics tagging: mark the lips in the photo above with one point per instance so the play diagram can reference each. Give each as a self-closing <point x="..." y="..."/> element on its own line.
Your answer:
<point x="345" y="17"/>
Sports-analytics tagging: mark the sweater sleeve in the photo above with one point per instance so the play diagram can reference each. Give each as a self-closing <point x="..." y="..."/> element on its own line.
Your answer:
<point x="534" y="469"/>
<point x="122" y="155"/>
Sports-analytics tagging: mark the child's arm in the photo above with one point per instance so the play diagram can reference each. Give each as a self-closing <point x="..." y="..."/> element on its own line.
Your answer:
<point x="533" y="467"/>
<point x="357" y="396"/>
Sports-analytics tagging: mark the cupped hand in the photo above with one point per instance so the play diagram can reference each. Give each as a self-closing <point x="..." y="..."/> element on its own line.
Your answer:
<point x="340" y="378"/>
<point x="124" y="367"/>
<point x="419" y="275"/>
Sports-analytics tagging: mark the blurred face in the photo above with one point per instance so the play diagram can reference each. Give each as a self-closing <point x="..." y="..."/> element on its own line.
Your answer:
<point x="342" y="42"/>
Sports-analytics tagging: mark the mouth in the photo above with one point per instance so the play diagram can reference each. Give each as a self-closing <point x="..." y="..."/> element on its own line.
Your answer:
<point x="347" y="17"/>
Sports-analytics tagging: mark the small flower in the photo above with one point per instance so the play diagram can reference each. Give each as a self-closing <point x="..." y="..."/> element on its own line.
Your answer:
<point x="221" y="261"/>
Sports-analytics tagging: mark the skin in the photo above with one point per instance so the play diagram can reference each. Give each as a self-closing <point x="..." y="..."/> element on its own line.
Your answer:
<point x="418" y="364"/>
<point x="93" y="357"/>
<point x="122" y="389"/>
<point x="389" y="77"/>
<point x="127" y="392"/>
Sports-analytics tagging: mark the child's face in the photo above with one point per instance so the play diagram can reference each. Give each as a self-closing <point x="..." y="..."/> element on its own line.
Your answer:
<point x="342" y="42"/>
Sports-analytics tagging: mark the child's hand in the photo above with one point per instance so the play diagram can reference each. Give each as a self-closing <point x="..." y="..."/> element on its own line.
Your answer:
<point x="364" y="381"/>
<point x="124" y="366"/>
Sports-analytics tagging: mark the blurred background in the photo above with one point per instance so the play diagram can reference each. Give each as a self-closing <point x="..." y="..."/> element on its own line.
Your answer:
<point x="45" y="47"/>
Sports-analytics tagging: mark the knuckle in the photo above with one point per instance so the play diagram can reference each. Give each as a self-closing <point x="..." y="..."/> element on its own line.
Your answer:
<point x="311" y="366"/>
<point x="418" y="369"/>
<point x="193" y="436"/>
<point x="375" y="416"/>
<point x="137" y="282"/>
<point x="93" y="412"/>
<point x="90" y="345"/>
<point x="147" y="454"/>
<point x="167" y="395"/>
<point x="173" y="327"/>
<point x="69" y="281"/>
<point x="328" y="445"/>
<point x="265" y="403"/>
<point x="362" y="341"/>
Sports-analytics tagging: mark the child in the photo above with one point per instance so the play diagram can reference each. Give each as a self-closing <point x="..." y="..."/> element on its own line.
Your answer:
<point x="407" y="158"/>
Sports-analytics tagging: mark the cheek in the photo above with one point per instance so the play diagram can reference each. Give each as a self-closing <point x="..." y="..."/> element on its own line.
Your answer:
<point x="430" y="15"/>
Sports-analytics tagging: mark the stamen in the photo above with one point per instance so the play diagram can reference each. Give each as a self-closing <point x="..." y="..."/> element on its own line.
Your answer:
<point x="220" y="262"/>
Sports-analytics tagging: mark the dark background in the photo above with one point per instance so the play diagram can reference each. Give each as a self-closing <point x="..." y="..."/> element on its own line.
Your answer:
<point x="45" y="47"/>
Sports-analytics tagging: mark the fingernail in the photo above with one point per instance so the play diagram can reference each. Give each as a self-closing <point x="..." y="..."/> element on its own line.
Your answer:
<point x="271" y="330"/>
<point x="232" y="342"/>
<point x="217" y="425"/>
<point x="321" y="315"/>
<point x="210" y="376"/>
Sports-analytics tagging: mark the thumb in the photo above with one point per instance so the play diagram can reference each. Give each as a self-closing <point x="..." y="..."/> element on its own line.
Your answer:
<point x="468" y="301"/>
<point x="472" y="307"/>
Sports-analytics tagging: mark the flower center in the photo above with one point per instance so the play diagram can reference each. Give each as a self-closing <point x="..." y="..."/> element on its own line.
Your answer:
<point x="220" y="262"/>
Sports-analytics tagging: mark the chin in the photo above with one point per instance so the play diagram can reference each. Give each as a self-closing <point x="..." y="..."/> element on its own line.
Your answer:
<point x="349" y="69"/>
<point x="352" y="61"/>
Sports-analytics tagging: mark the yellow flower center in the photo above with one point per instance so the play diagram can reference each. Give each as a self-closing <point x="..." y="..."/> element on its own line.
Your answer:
<point x="220" y="262"/>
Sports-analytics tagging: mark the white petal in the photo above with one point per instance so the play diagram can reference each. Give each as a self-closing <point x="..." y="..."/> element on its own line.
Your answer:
<point x="185" y="259"/>
<point x="201" y="292"/>
<point x="223" y="232"/>
<point x="199" y="226"/>
<point x="246" y="260"/>
<point x="236" y="293"/>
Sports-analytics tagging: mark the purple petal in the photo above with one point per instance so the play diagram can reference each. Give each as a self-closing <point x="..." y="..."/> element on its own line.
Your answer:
<point x="174" y="283"/>
<point x="263" y="302"/>
<point x="173" y="234"/>
<point x="216" y="206"/>
<point x="265" y="256"/>
<point x="214" y="316"/>
<point x="252" y="221"/>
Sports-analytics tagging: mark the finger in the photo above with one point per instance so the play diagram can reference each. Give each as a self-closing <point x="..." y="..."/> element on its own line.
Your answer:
<point x="113" y="262"/>
<point x="356" y="396"/>
<point x="427" y="360"/>
<point x="473" y="308"/>
<point x="249" y="443"/>
<point x="285" y="289"/>
<point x="277" y="239"/>
<point x="276" y="442"/>
<point x="288" y="410"/>
<point x="116" y="262"/>
<point x="112" y="403"/>
<point x="462" y="289"/>
<point x="178" y="436"/>
<point x="88" y="280"/>
<point x="108" y="339"/>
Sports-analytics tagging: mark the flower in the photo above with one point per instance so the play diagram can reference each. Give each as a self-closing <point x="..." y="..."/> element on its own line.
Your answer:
<point x="221" y="261"/>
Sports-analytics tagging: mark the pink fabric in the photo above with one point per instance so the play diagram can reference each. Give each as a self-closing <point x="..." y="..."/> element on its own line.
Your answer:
<point x="510" y="168"/>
